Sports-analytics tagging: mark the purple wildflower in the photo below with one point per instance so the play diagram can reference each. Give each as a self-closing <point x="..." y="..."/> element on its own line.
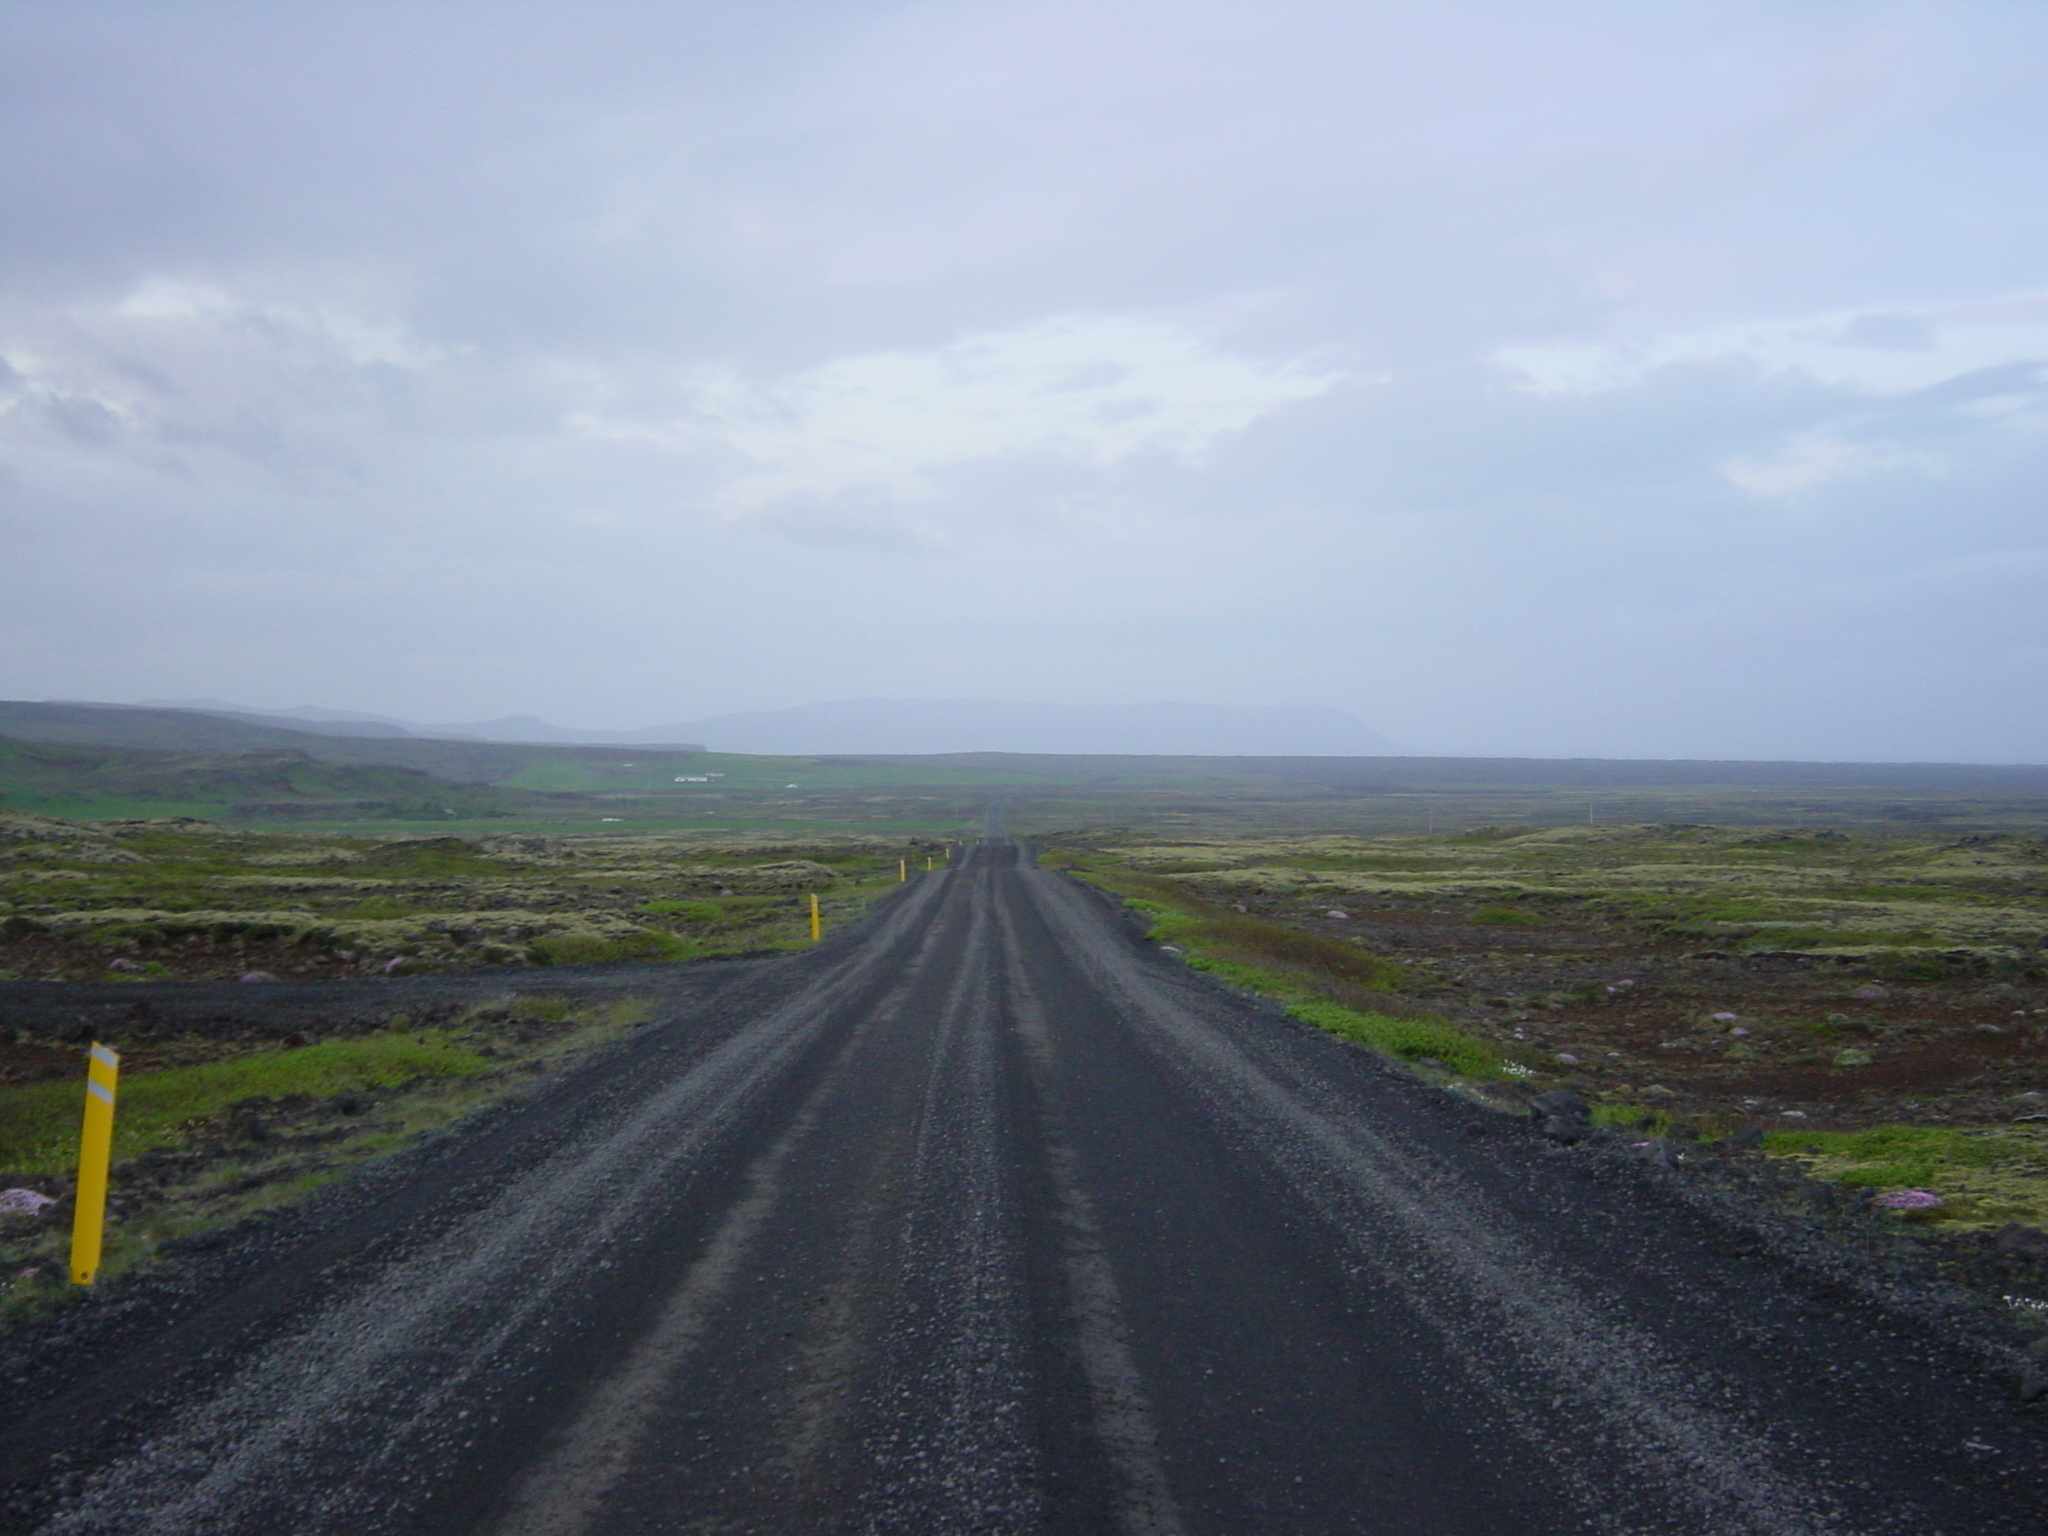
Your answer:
<point x="1910" y="1200"/>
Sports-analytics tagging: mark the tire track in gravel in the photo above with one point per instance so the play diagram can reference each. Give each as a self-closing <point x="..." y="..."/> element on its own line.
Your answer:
<point x="989" y="1218"/>
<point x="1555" y="1370"/>
<point x="1627" y="1402"/>
<point x="320" y="1431"/>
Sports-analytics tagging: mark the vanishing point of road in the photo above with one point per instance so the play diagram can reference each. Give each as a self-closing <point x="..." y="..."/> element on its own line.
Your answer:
<point x="986" y="1216"/>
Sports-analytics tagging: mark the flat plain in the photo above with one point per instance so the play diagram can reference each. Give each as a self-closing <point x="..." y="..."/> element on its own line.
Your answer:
<point x="1845" y="963"/>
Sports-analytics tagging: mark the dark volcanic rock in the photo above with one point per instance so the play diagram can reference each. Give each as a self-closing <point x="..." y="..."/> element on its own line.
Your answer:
<point x="2026" y="1242"/>
<point x="1561" y="1104"/>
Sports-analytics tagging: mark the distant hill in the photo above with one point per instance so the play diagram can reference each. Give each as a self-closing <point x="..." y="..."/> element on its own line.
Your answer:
<point x="923" y="726"/>
<point x="901" y="727"/>
<point x="70" y="778"/>
<point x="322" y="722"/>
<point x="534" y="729"/>
<point x="562" y="766"/>
<point x="187" y="730"/>
<point x="1417" y="774"/>
<point x="506" y="728"/>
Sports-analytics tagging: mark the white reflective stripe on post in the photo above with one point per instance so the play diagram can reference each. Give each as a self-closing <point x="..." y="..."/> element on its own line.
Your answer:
<point x="105" y="1057"/>
<point x="99" y="1090"/>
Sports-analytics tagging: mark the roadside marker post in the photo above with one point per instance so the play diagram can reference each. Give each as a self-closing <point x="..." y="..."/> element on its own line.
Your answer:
<point x="817" y="923"/>
<point x="902" y="870"/>
<point x="95" y="1151"/>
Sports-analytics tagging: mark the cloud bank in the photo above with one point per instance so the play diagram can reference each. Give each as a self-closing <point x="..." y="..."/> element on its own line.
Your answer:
<point x="1554" y="379"/>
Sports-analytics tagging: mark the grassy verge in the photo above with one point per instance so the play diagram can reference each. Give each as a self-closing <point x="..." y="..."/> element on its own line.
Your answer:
<point x="202" y="1146"/>
<point x="39" y="1122"/>
<point x="1897" y="1043"/>
<point x="1335" y="986"/>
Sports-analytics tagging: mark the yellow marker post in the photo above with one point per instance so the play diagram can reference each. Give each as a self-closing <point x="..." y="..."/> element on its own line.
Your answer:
<point x="902" y="870"/>
<point x="817" y="923"/>
<point x="95" y="1149"/>
<point x="927" y="862"/>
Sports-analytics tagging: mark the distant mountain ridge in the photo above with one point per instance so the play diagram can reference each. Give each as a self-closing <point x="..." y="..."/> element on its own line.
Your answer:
<point x="260" y="782"/>
<point x="924" y="726"/>
<point x="499" y="763"/>
<point x="519" y="729"/>
<point x="904" y="727"/>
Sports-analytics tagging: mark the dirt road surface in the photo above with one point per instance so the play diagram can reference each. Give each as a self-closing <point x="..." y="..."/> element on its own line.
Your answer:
<point x="986" y="1216"/>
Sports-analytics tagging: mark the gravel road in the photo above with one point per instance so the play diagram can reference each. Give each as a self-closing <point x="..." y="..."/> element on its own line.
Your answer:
<point x="986" y="1216"/>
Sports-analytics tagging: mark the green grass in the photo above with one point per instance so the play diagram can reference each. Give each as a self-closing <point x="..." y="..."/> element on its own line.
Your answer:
<point x="408" y="1082"/>
<point x="1985" y="1177"/>
<point x="597" y="949"/>
<point x="39" y="1123"/>
<point x="1894" y="1156"/>
<point x="1182" y="917"/>
<point x="1229" y="945"/>
<point x="375" y="907"/>
<point x="84" y="807"/>
<point x="1413" y="1039"/>
<point x="654" y="773"/>
<point x="1506" y="917"/>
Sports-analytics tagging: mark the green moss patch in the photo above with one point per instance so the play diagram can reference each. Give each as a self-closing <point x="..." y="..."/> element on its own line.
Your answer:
<point x="1412" y="1039"/>
<point x="89" y="901"/>
<point x="1984" y="1177"/>
<point x="600" y="949"/>
<point x="1506" y="917"/>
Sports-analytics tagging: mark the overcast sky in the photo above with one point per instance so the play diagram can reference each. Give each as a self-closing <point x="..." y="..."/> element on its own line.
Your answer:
<point x="1633" y="378"/>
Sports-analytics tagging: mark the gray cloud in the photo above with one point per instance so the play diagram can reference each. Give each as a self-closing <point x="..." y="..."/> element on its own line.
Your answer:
<point x="1887" y="332"/>
<point x="1579" y="377"/>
